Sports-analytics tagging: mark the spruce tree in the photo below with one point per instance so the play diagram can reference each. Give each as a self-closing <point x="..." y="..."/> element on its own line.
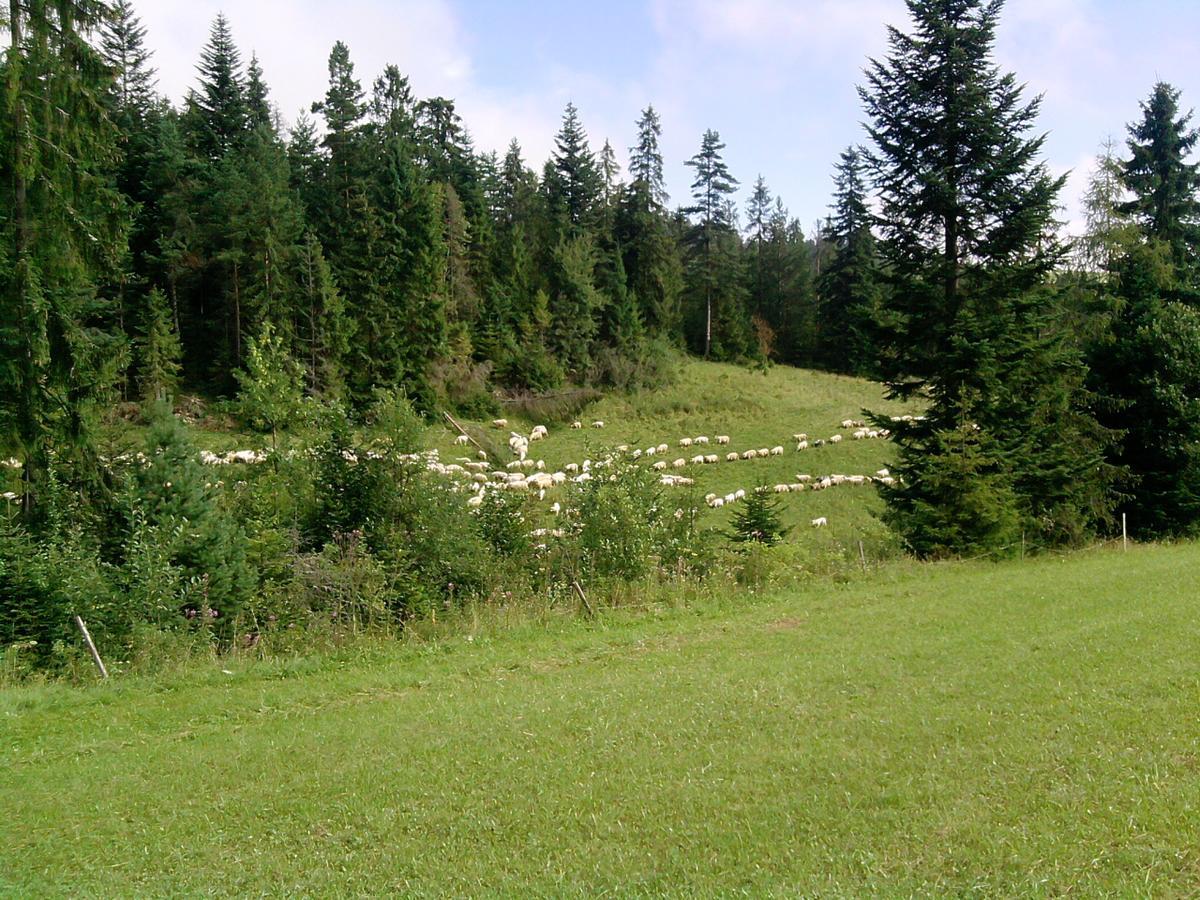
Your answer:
<point x="158" y="351"/>
<point x="966" y="215"/>
<point x="650" y="254"/>
<point x="1146" y="369"/>
<point x="579" y="180"/>
<point x="258" y="104"/>
<point x="758" y="521"/>
<point x="1165" y="186"/>
<point x="217" y="113"/>
<point x="62" y="234"/>
<point x="711" y="249"/>
<point x="849" y="288"/>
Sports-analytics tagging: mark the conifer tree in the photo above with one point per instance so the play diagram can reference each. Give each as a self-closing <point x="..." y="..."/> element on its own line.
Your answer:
<point x="646" y="161"/>
<point x="965" y="218"/>
<point x="1164" y="185"/>
<point x="579" y="180"/>
<point x="710" y="246"/>
<point x="62" y="233"/>
<point x="217" y="113"/>
<point x="197" y="535"/>
<point x="258" y="104"/>
<point x="158" y="351"/>
<point x="1146" y="369"/>
<point x="758" y="521"/>
<point x="849" y="289"/>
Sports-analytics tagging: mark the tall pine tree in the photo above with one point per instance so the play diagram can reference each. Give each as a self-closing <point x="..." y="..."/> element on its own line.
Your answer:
<point x="966" y="216"/>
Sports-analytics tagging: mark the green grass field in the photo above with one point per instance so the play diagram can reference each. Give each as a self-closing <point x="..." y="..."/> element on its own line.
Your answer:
<point x="1024" y="729"/>
<point x="756" y="410"/>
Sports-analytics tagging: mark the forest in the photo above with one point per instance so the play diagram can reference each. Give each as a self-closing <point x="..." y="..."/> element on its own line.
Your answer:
<point x="334" y="285"/>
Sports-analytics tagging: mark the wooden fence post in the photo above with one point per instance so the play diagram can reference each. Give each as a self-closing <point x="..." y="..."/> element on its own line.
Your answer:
<point x="87" y="639"/>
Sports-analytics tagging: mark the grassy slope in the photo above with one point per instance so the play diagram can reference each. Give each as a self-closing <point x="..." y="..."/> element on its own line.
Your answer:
<point x="756" y="410"/>
<point x="967" y="729"/>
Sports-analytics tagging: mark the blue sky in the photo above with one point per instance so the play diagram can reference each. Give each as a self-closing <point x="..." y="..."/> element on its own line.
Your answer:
<point x="777" y="78"/>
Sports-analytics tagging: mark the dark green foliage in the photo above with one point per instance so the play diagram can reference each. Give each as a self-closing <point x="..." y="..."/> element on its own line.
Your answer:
<point x="965" y="218"/>
<point x="1165" y="186"/>
<point x="217" y="113"/>
<point x="62" y="234"/>
<point x="158" y="351"/>
<point x="757" y="520"/>
<point x="720" y="322"/>
<point x="175" y="495"/>
<point x="850" y="291"/>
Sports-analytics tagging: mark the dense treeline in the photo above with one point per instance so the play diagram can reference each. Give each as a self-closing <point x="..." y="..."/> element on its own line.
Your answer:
<point x="368" y="257"/>
<point x="388" y="252"/>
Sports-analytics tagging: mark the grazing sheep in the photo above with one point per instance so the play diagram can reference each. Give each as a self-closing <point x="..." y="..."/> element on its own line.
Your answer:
<point x="500" y="423"/>
<point x="731" y="498"/>
<point x="679" y="463"/>
<point x="836" y="439"/>
<point x="782" y="488"/>
<point x="820" y="522"/>
<point x="461" y="440"/>
<point x="777" y="451"/>
<point x="701" y="440"/>
<point x="750" y="454"/>
<point x="722" y="439"/>
<point x="571" y="467"/>
<point x="803" y="445"/>
<point x="598" y="424"/>
<point x="883" y="473"/>
<point x="637" y="454"/>
<point x="697" y="460"/>
<point x="650" y="451"/>
<point x="576" y="424"/>
<point x="685" y="442"/>
<point x="716" y="502"/>
<point x="663" y="448"/>
<point x="732" y="457"/>
<point x="740" y="495"/>
<point x="660" y="465"/>
<point x="712" y="458"/>
<point x="476" y="500"/>
<point x="818" y="443"/>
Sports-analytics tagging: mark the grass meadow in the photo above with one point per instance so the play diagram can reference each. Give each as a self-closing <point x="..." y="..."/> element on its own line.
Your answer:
<point x="967" y="729"/>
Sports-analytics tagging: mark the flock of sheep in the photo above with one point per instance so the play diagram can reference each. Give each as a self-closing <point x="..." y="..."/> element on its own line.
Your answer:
<point x="523" y="474"/>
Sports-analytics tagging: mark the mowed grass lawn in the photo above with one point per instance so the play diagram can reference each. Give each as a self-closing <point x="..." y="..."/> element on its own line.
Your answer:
<point x="962" y="729"/>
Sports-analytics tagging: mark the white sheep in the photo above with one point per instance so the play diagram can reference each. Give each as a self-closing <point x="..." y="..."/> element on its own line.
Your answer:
<point x="731" y="498"/>
<point x="663" y="448"/>
<point x="476" y="500"/>
<point x="500" y="423"/>
<point x="571" y="467"/>
<point x="836" y="439"/>
<point x="764" y="452"/>
<point x="599" y="423"/>
<point x="750" y="454"/>
<point x="685" y="442"/>
<point x="576" y="425"/>
<point x="660" y="465"/>
<point x="739" y="495"/>
<point x="722" y="439"/>
<point x="777" y="451"/>
<point x="679" y="463"/>
<point x="782" y="488"/>
<point x="820" y="522"/>
<point x="732" y="457"/>
<point x="650" y="451"/>
<point x="703" y="439"/>
<point x="712" y="458"/>
<point x="697" y="460"/>
<point x="716" y="502"/>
